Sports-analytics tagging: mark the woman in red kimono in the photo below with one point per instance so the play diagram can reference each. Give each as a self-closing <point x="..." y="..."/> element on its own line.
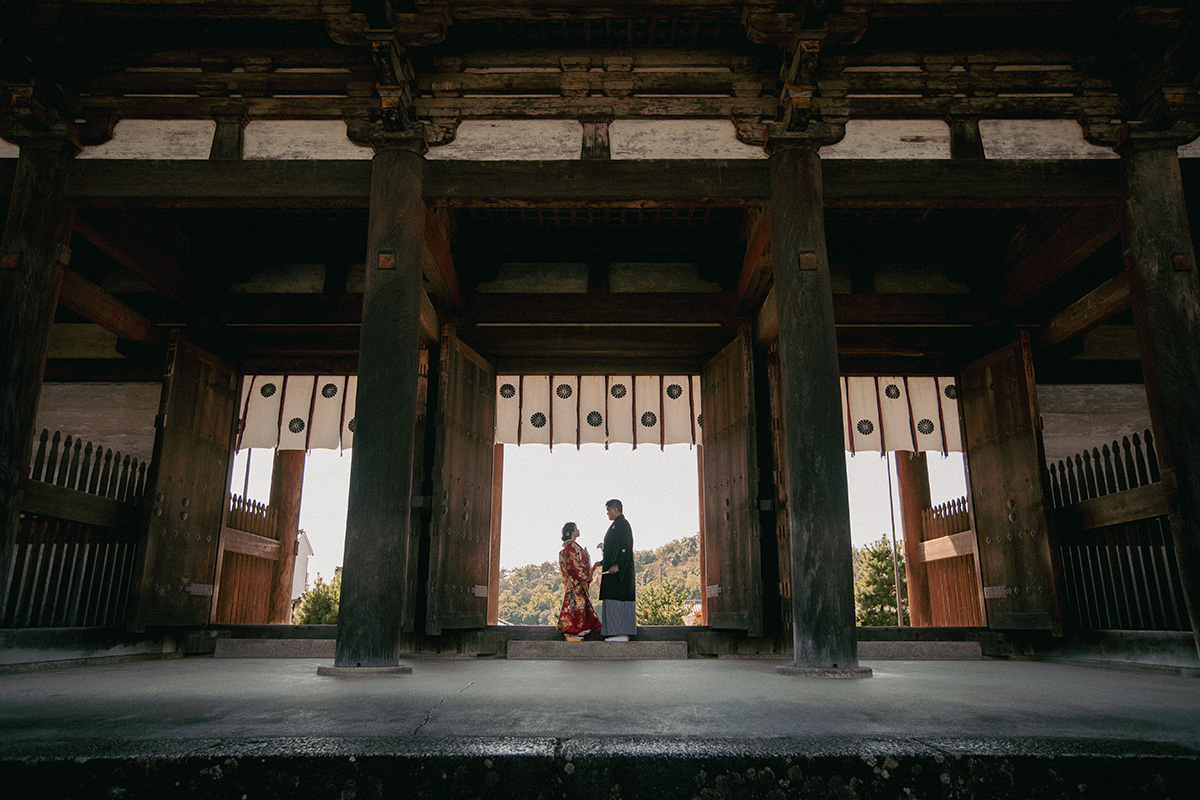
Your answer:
<point x="576" y="617"/>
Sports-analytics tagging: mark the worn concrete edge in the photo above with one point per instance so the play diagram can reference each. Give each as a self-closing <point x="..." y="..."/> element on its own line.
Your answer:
<point x="1113" y="664"/>
<point x="675" y="748"/>
<point x="83" y="661"/>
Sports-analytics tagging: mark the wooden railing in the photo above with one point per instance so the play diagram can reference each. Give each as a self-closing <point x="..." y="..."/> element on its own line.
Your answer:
<point x="948" y="550"/>
<point x="77" y="538"/>
<point x="250" y="550"/>
<point x="1118" y="560"/>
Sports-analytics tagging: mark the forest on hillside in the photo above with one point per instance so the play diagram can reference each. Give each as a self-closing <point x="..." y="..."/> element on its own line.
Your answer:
<point x="531" y="595"/>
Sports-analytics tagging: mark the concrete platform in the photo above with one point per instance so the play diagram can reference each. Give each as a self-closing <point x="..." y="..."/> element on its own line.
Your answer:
<point x="275" y="648"/>
<point x="599" y="651"/>
<point x="713" y="728"/>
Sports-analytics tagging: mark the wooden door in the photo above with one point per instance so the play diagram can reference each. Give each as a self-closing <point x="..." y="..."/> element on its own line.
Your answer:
<point x="733" y="579"/>
<point x="460" y="531"/>
<point x="185" y="497"/>
<point x="1018" y="561"/>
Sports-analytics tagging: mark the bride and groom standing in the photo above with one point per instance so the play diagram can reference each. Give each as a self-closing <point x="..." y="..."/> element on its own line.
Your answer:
<point x="576" y="617"/>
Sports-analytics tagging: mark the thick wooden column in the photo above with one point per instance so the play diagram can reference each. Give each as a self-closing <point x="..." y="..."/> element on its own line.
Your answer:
<point x="32" y="254"/>
<point x="378" y="519"/>
<point x="493" y="601"/>
<point x="287" y="483"/>
<point x="1162" y="268"/>
<point x="912" y="477"/>
<point x="818" y="504"/>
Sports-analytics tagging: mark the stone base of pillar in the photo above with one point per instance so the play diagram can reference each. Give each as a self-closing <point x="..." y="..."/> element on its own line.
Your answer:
<point x="825" y="672"/>
<point x="363" y="672"/>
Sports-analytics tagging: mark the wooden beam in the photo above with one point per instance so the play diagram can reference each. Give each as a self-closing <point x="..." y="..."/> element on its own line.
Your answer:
<point x="93" y="303"/>
<point x="101" y="370"/>
<point x="249" y="544"/>
<point x="117" y="237"/>
<point x="1093" y="309"/>
<point x="601" y="308"/>
<point x="1085" y="232"/>
<point x="595" y="341"/>
<point x="61" y="503"/>
<point x="849" y="183"/>
<point x="438" y="264"/>
<point x="755" y="277"/>
<point x="1143" y="502"/>
<point x="956" y="544"/>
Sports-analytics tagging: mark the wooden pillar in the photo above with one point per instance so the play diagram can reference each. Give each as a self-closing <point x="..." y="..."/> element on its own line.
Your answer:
<point x="1162" y="268"/>
<point x="33" y="252"/>
<point x="818" y="504"/>
<point x="287" y="483"/>
<point x="493" y="601"/>
<point x="595" y="138"/>
<point x="229" y="138"/>
<point x="912" y="477"/>
<point x="378" y="519"/>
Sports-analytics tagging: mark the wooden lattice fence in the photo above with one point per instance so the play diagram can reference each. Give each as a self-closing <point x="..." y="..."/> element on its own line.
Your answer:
<point x="1118" y="560"/>
<point x="948" y="550"/>
<point x="77" y="538"/>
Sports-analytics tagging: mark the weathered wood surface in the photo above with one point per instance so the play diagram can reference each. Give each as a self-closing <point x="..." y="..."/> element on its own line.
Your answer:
<point x="460" y="534"/>
<point x="1166" y="311"/>
<point x="1017" y="556"/>
<point x="733" y="571"/>
<point x="177" y="559"/>
<point x="951" y="558"/>
<point x="48" y="500"/>
<point x="250" y="544"/>
<point x="378" y="523"/>
<point x="1093" y="309"/>
<point x="848" y="183"/>
<point x="956" y="544"/>
<point x="36" y="233"/>
<point x="287" y="483"/>
<point x="912" y="480"/>
<point x="817" y="496"/>
<point x="1084" y="232"/>
<point x="93" y="303"/>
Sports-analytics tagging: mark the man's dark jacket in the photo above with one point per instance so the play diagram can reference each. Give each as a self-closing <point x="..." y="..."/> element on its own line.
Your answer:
<point x="618" y="549"/>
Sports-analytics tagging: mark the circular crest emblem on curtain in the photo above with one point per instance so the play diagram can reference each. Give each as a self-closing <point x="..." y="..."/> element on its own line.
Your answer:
<point x="892" y="391"/>
<point x="674" y="391"/>
<point x="538" y="420"/>
<point x="296" y="425"/>
<point x="865" y="427"/>
<point x="594" y="419"/>
<point x="268" y="389"/>
<point x="563" y="391"/>
<point x="508" y="391"/>
<point x="352" y="424"/>
<point x="925" y="427"/>
<point x="951" y="391"/>
<point x="329" y="390"/>
<point x="618" y="390"/>
<point x="649" y="419"/>
<point x="699" y="420"/>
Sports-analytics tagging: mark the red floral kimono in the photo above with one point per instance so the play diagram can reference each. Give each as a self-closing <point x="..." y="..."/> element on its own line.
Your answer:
<point x="576" y="613"/>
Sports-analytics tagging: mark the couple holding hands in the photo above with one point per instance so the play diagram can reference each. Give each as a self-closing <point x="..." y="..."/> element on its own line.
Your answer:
<point x="576" y="617"/>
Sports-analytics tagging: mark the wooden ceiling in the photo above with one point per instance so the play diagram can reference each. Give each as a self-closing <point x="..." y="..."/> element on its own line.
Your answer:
<point x="934" y="261"/>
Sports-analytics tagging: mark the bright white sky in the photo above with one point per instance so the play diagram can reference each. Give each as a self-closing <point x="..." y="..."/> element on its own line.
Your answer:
<point x="544" y="489"/>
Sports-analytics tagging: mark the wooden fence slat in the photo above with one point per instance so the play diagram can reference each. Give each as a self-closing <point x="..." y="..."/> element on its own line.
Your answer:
<point x="39" y="460"/>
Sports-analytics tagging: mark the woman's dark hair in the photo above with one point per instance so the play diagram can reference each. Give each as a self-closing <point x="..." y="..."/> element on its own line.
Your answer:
<point x="568" y="529"/>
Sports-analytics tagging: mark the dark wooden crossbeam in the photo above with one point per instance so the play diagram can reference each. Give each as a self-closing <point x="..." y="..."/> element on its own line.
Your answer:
<point x="1083" y="233"/>
<point x="849" y="183"/>
<point x="120" y="239"/>
<point x="91" y="302"/>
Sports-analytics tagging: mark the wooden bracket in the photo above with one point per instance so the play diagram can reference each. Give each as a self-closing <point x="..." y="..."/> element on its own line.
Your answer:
<point x="387" y="261"/>
<point x="10" y="261"/>
<point x="807" y="259"/>
<point x="1183" y="262"/>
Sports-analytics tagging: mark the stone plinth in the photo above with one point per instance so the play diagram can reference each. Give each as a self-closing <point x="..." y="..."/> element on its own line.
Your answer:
<point x="607" y="651"/>
<point x="275" y="648"/>
<point x="920" y="651"/>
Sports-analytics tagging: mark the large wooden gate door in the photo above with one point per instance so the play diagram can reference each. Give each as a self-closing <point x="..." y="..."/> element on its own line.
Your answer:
<point x="1017" y="557"/>
<point x="460" y="531"/>
<point x="185" y="494"/>
<point x="733" y="579"/>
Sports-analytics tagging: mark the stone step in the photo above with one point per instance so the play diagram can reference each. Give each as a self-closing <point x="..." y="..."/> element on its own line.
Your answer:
<point x="274" y="648"/>
<point x="919" y="651"/>
<point x="598" y="651"/>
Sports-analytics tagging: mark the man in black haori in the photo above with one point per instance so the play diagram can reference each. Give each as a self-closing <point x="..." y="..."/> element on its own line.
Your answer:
<point x="617" y="588"/>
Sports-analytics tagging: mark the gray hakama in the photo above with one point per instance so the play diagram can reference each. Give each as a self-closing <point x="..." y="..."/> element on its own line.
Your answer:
<point x="618" y="618"/>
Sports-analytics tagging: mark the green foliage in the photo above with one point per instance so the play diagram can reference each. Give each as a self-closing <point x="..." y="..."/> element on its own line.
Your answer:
<point x="531" y="595"/>
<point x="319" y="605"/>
<point x="875" y="584"/>
<point x="662" y="603"/>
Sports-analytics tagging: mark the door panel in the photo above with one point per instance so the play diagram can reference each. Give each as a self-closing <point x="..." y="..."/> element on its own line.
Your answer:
<point x="1015" y="543"/>
<point x="733" y="579"/>
<point x="185" y="498"/>
<point x="460" y="530"/>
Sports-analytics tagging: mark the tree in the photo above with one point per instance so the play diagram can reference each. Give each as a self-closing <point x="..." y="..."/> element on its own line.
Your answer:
<point x="875" y="584"/>
<point x="319" y="605"/>
<point x="662" y="603"/>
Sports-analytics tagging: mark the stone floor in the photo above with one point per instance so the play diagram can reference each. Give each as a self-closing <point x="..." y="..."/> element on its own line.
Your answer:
<point x="662" y="729"/>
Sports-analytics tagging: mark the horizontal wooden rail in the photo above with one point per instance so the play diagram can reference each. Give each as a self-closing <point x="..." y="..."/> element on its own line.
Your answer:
<point x="956" y="544"/>
<point x="250" y="544"/>
<point x="49" y="500"/>
<point x="1131" y="505"/>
